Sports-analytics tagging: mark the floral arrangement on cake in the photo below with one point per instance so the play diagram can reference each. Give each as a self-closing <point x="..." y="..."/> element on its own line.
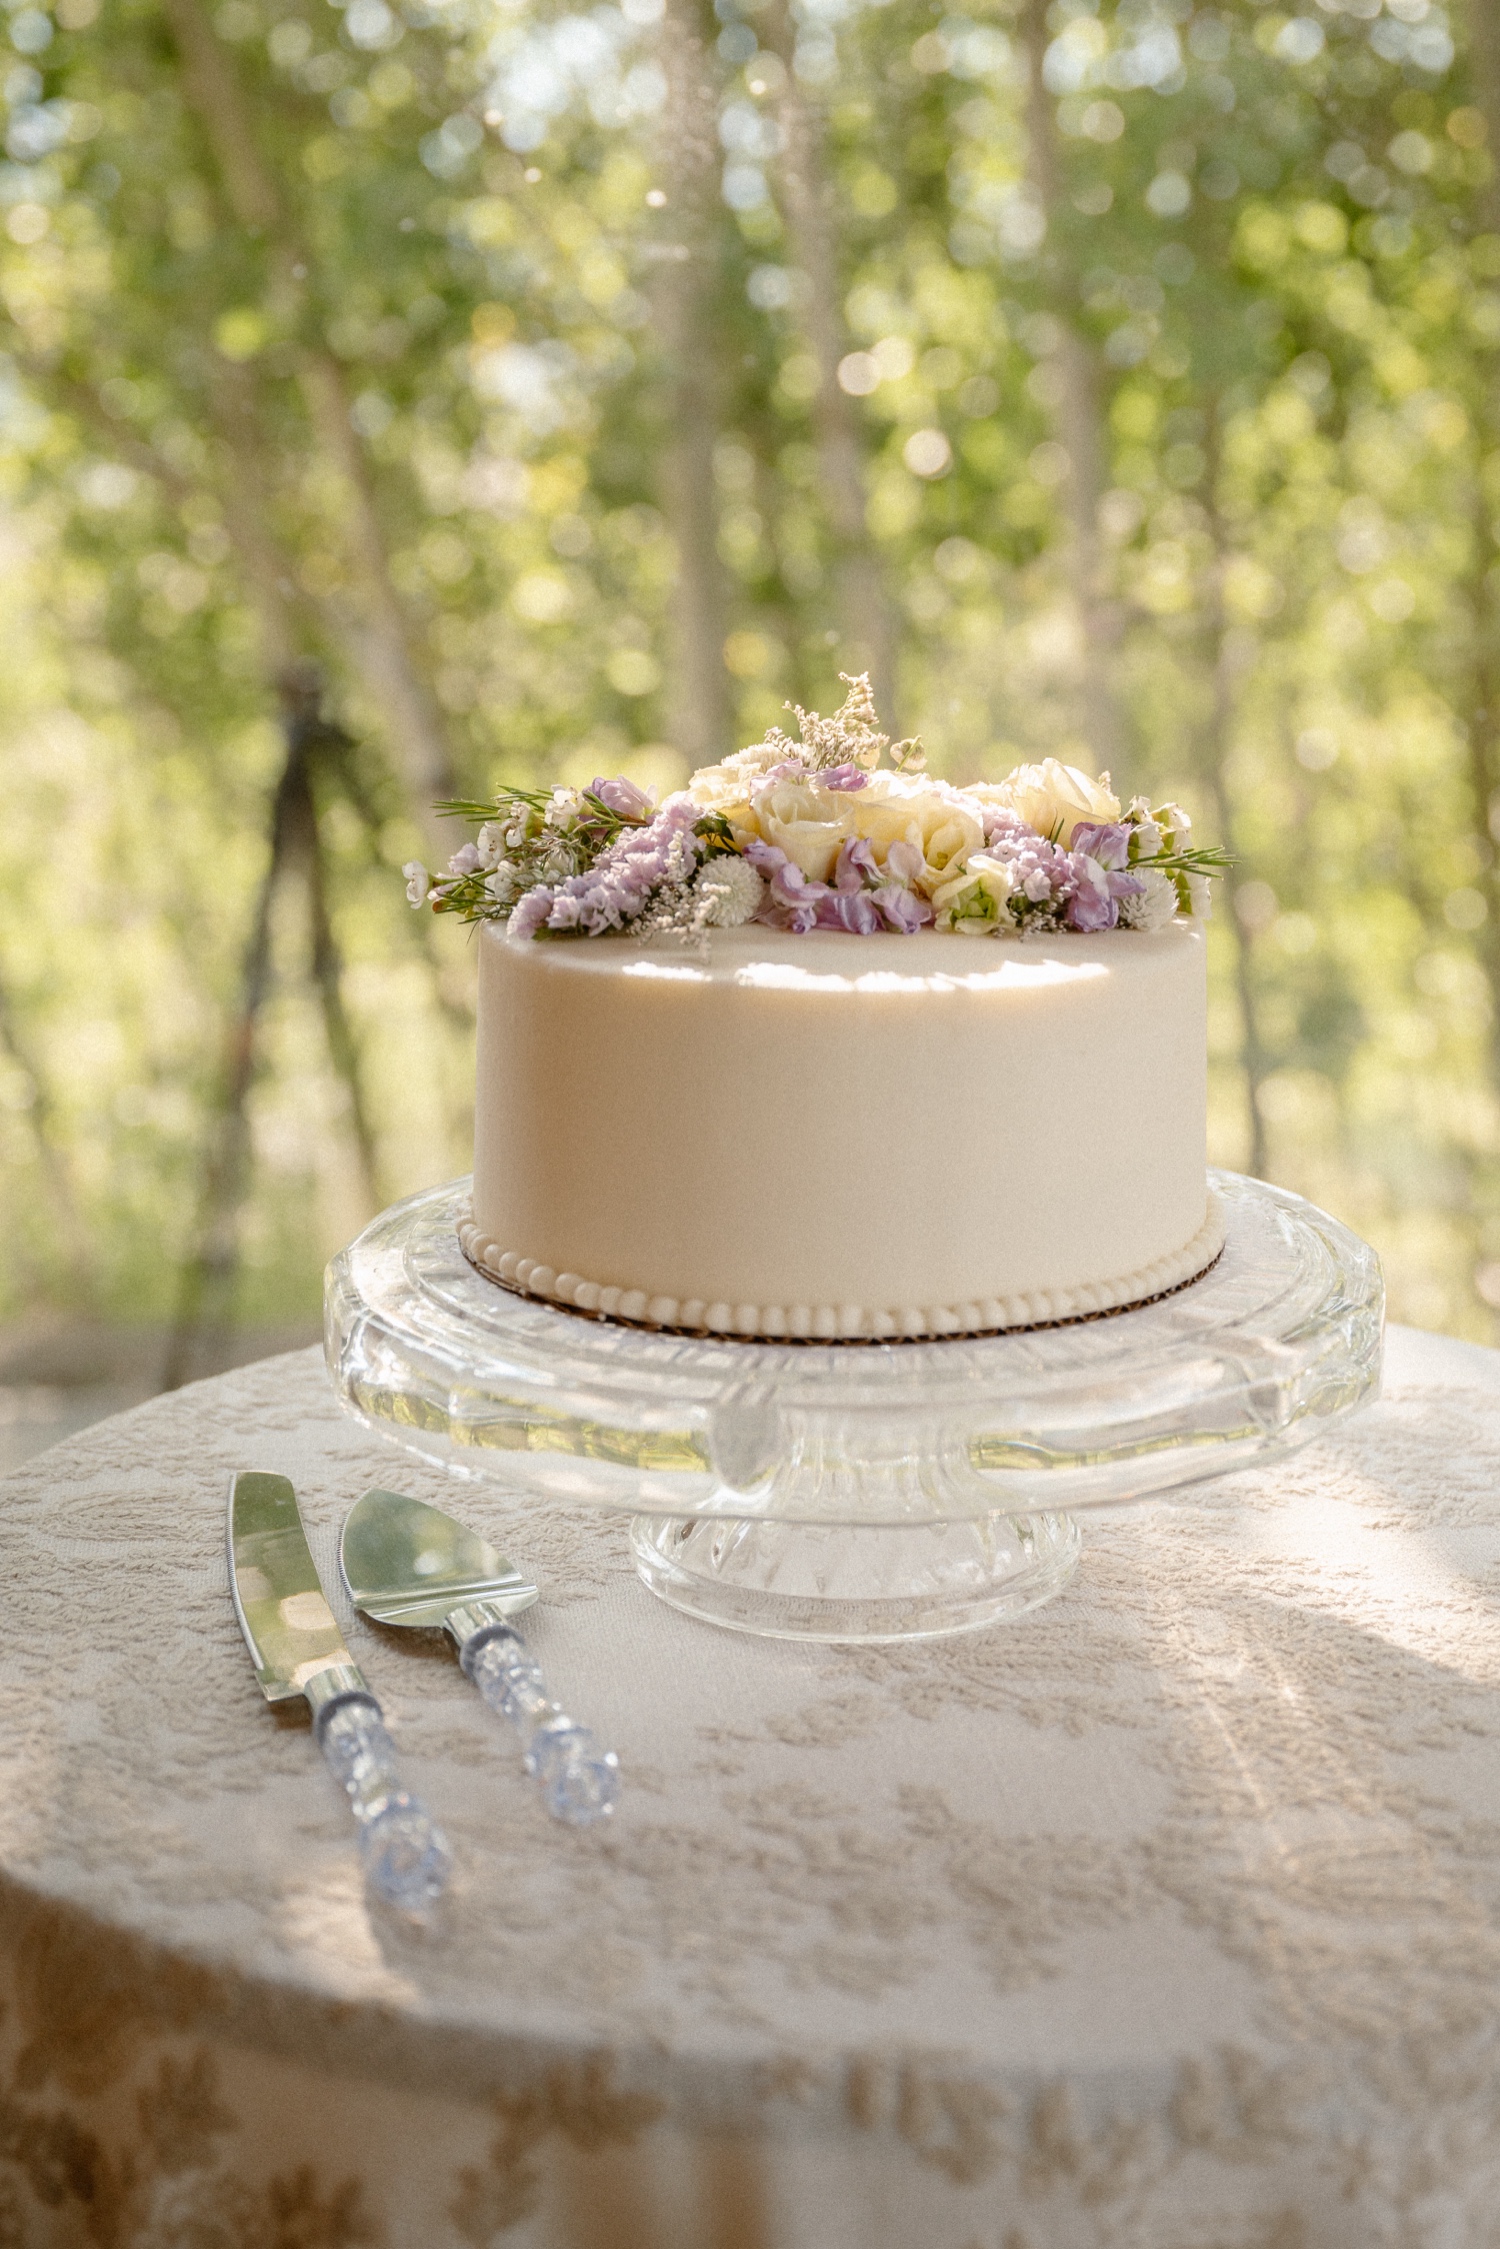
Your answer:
<point x="816" y="834"/>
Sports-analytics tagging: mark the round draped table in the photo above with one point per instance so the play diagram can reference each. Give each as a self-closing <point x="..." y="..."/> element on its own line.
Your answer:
<point x="1166" y="1916"/>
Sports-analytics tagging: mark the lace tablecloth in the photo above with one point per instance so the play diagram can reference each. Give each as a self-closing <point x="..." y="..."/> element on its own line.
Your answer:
<point x="1167" y="1916"/>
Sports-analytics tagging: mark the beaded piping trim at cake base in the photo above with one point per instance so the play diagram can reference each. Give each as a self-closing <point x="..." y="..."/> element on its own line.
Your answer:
<point x="824" y="1323"/>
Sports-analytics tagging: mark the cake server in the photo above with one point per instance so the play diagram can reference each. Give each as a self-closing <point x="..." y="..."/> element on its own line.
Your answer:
<point x="407" y="1563"/>
<point x="297" y="1649"/>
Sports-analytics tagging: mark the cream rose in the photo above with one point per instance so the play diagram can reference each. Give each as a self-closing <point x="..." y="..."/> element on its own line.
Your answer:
<point x="943" y="823"/>
<point x="728" y="786"/>
<point x="1052" y="798"/>
<point x="807" y="822"/>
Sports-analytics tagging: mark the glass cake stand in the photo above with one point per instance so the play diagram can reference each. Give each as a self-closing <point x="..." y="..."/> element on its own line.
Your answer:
<point x="865" y="1491"/>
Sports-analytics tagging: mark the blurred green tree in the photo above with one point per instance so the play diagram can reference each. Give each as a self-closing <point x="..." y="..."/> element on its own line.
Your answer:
<point x="566" y="388"/>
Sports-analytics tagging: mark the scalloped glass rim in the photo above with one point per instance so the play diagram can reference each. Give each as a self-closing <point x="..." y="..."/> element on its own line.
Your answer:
<point x="1281" y="1339"/>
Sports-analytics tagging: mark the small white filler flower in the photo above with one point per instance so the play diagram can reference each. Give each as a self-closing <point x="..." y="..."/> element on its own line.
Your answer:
<point x="1155" y="906"/>
<point x="727" y="893"/>
<point x="418" y="882"/>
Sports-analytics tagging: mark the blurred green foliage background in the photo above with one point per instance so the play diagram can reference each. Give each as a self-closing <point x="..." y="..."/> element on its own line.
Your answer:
<point x="399" y="396"/>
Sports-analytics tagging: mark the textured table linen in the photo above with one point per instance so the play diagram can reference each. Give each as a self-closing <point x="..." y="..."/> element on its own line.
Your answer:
<point x="1166" y="1916"/>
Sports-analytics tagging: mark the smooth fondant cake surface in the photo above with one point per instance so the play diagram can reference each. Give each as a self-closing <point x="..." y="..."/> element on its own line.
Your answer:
<point x="823" y="1134"/>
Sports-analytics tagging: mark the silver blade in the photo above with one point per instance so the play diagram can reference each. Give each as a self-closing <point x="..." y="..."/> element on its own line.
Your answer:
<point x="407" y="1563"/>
<point x="278" y="1595"/>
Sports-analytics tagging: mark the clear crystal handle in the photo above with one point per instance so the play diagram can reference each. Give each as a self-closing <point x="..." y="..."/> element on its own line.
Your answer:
<point x="580" y="1781"/>
<point x="406" y="1856"/>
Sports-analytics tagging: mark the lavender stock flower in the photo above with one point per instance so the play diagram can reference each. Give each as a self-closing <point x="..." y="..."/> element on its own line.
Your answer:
<point x="617" y="888"/>
<point x="530" y="913"/>
<point x="846" y="778"/>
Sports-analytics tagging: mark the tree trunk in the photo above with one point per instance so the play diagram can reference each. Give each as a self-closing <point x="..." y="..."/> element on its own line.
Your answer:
<point x="686" y="289"/>
<point x="343" y="1044"/>
<point x="206" y="1290"/>
<point x="206" y="1285"/>
<point x="1079" y="425"/>
<point x="66" y="1221"/>
<point x="868" y="634"/>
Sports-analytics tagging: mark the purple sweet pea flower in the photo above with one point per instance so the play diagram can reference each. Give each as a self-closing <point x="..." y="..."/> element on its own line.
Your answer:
<point x="787" y="884"/>
<point x="844" y="777"/>
<point x="904" y="911"/>
<point x="854" y="910"/>
<point x="1090" y="910"/>
<point x="791" y="900"/>
<point x="856" y="861"/>
<point x="1091" y="906"/>
<point x="904" y="862"/>
<point x="1105" y="841"/>
<point x="790" y="769"/>
<point x="622" y="797"/>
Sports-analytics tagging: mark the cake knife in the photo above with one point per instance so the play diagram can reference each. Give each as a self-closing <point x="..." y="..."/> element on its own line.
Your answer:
<point x="297" y="1649"/>
<point x="407" y="1563"/>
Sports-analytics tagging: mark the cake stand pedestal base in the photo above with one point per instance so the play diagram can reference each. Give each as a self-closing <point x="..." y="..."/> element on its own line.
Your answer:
<point x="803" y="1581"/>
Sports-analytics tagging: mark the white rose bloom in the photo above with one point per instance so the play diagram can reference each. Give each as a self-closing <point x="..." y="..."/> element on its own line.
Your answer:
<point x="1053" y="798"/>
<point x="1154" y="907"/>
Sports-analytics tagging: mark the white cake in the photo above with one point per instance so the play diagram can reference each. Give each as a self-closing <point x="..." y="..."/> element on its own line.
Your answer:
<point x="828" y="1135"/>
